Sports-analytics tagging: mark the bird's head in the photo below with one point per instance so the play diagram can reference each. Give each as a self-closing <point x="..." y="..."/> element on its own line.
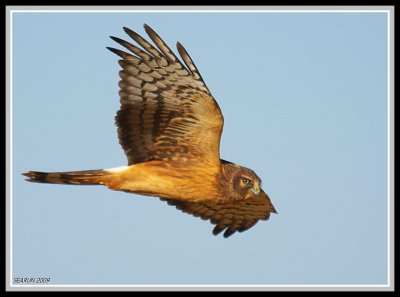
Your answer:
<point x="243" y="182"/>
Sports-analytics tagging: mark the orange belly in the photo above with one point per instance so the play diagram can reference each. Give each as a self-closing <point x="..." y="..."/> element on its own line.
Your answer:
<point x="167" y="180"/>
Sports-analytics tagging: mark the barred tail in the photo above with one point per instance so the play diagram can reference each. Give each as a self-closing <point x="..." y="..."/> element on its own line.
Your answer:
<point x="86" y="177"/>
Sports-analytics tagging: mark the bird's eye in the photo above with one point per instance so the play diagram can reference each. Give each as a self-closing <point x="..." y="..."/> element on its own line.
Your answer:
<point x="245" y="180"/>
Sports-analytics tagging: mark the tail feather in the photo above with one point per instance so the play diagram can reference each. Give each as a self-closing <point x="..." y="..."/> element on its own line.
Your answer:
<point x="86" y="177"/>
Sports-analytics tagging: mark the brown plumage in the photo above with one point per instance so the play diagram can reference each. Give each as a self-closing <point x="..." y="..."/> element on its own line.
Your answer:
<point x="169" y="126"/>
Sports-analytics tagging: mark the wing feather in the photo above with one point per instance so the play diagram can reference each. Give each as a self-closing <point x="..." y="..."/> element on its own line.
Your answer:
<point x="167" y="52"/>
<point x="188" y="61"/>
<point x="165" y="106"/>
<point x="230" y="215"/>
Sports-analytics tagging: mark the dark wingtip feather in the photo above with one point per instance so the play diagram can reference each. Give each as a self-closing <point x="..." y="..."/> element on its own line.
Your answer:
<point x="116" y="39"/>
<point x="179" y="45"/>
<point x="229" y="232"/>
<point x="217" y="230"/>
<point x="146" y="27"/>
<point x="121" y="41"/>
<point x="129" y="31"/>
<point x="118" y="52"/>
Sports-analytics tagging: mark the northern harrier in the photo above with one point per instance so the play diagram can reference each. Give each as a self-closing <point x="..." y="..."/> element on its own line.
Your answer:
<point x="169" y="126"/>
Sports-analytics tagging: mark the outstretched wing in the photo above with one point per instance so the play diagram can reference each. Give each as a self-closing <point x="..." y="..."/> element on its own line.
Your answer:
<point x="167" y="111"/>
<point x="231" y="216"/>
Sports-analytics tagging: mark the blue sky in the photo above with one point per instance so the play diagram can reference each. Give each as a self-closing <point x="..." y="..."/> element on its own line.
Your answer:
<point x="304" y="97"/>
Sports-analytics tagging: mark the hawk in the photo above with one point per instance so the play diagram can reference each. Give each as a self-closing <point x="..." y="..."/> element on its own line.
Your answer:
<point x="169" y="126"/>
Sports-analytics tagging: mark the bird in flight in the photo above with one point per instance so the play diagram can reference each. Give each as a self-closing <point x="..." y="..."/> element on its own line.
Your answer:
<point x="169" y="126"/>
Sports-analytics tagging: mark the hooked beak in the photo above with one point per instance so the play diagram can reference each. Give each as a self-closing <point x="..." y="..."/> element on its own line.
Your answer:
<point x="256" y="189"/>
